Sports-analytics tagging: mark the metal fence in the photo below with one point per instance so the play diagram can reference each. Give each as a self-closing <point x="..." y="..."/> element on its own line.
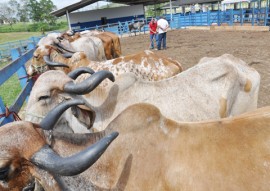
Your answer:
<point x="5" y="48"/>
<point x="253" y="16"/>
<point x="7" y="114"/>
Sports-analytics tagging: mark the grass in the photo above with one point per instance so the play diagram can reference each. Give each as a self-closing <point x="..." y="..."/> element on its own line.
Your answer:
<point x="10" y="90"/>
<point x="34" y="27"/>
<point x="8" y="37"/>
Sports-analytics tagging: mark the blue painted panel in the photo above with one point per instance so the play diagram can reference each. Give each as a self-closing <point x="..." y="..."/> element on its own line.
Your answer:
<point x="95" y="23"/>
<point x="10" y="69"/>
<point x="22" y="96"/>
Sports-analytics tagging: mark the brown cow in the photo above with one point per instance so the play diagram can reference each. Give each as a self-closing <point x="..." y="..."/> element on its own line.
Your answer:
<point x="153" y="152"/>
<point x="28" y="163"/>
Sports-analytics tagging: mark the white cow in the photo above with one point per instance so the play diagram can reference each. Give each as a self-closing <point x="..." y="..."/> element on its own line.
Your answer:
<point x="215" y="88"/>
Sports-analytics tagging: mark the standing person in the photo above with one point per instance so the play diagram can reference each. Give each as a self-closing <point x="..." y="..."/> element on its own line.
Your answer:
<point x="153" y="32"/>
<point x="162" y="25"/>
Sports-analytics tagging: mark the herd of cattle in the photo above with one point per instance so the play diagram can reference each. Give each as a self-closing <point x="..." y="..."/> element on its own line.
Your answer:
<point x="139" y="121"/>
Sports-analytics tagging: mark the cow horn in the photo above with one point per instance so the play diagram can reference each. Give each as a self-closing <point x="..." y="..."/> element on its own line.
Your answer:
<point x="53" y="64"/>
<point x="75" y="73"/>
<point x="67" y="55"/>
<point x="47" y="159"/>
<point x="62" y="47"/>
<point x="71" y="33"/>
<point x="51" y="118"/>
<point x="89" y="84"/>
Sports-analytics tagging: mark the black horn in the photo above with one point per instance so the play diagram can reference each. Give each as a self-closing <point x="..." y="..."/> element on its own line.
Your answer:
<point x="75" y="73"/>
<point x="47" y="159"/>
<point x="51" y="118"/>
<point x="89" y="84"/>
<point x="64" y="48"/>
<point x="68" y="55"/>
<point x="53" y="64"/>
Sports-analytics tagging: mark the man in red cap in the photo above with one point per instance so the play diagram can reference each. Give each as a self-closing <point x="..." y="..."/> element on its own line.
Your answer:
<point x="153" y="32"/>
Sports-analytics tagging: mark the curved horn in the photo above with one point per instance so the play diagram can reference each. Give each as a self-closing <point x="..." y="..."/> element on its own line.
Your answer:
<point x="62" y="47"/>
<point x="47" y="159"/>
<point x="75" y="73"/>
<point x="67" y="55"/>
<point x="51" y="118"/>
<point x="89" y="84"/>
<point x="70" y="33"/>
<point x="53" y="64"/>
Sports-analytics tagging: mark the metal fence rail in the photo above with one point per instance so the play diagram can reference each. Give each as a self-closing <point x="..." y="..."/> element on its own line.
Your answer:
<point x="5" y="48"/>
<point x="254" y="17"/>
<point x="16" y="66"/>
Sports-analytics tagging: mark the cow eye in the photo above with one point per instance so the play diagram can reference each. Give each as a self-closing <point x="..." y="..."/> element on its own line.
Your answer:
<point x="43" y="97"/>
<point x="4" y="173"/>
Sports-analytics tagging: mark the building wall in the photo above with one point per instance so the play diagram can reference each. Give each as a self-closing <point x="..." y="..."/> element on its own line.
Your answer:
<point x="92" y="18"/>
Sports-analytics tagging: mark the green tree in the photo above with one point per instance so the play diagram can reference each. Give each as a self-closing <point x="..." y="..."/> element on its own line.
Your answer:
<point x="8" y="12"/>
<point x="154" y="10"/>
<point x="34" y="10"/>
<point x="40" y="11"/>
<point x="23" y="11"/>
<point x="48" y="6"/>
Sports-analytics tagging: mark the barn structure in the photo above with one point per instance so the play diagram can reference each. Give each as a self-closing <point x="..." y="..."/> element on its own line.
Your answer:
<point x="200" y="13"/>
<point x="104" y="16"/>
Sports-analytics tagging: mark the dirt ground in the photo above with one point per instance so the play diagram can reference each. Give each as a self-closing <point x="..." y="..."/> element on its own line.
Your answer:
<point x="189" y="46"/>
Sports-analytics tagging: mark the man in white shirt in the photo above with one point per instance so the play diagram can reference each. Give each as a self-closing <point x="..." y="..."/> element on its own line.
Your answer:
<point x="162" y="26"/>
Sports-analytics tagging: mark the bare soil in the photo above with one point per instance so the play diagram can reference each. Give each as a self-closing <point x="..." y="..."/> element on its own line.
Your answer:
<point x="189" y="46"/>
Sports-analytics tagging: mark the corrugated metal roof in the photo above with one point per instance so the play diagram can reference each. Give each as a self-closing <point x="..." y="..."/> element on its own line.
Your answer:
<point x="186" y="2"/>
<point x="84" y="3"/>
<point x="189" y="2"/>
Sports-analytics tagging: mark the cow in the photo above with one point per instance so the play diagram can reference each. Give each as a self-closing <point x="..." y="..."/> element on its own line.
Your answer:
<point x="27" y="162"/>
<point x="136" y="26"/>
<point x="97" y="41"/>
<point x="84" y="44"/>
<point x="146" y="64"/>
<point x="153" y="152"/>
<point x="216" y="88"/>
<point x="111" y="42"/>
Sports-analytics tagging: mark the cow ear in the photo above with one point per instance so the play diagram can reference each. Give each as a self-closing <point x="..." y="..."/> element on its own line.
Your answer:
<point x="48" y="46"/>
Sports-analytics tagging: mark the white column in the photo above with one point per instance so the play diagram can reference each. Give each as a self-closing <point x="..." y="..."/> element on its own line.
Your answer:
<point x="171" y="8"/>
<point x="69" y="25"/>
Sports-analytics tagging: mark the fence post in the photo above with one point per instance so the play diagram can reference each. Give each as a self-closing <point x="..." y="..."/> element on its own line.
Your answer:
<point x="179" y="22"/>
<point x="201" y="17"/>
<point x="208" y="18"/>
<point x="265" y="16"/>
<point x="242" y="16"/>
<point x="218" y="19"/>
<point x="252" y="20"/>
<point x="231" y="17"/>
<point x="22" y="75"/>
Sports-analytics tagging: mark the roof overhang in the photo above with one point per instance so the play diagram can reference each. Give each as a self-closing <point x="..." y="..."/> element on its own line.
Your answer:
<point x="189" y="2"/>
<point x="83" y="3"/>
